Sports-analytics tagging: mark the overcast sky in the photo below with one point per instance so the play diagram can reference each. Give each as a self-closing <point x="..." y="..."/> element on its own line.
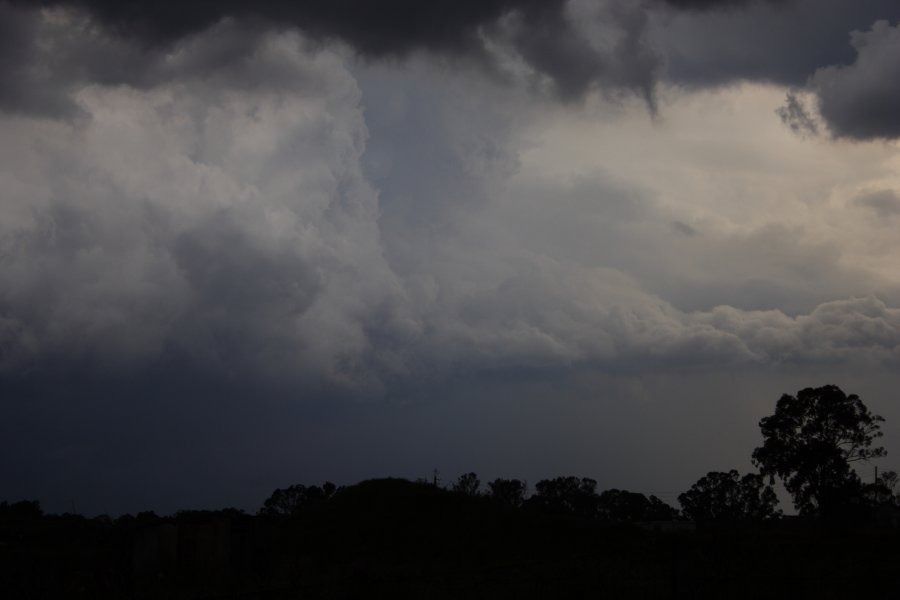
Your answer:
<point x="250" y="244"/>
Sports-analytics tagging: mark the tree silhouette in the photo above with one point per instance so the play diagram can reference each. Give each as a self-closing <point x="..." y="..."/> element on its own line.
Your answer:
<point x="812" y="441"/>
<point x="566" y="495"/>
<point x="467" y="484"/>
<point x="729" y="497"/>
<point x="883" y="490"/>
<point x="889" y="480"/>
<point x="625" y="506"/>
<point x="508" y="491"/>
<point x="290" y="501"/>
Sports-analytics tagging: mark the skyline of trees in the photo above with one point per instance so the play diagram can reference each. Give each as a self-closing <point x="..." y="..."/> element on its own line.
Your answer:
<point x="811" y="442"/>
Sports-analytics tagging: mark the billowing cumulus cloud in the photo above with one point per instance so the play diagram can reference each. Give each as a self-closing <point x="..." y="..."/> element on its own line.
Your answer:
<point x="226" y="222"/>
<point x="223" y="217"/>
<point x="859" y="328"/>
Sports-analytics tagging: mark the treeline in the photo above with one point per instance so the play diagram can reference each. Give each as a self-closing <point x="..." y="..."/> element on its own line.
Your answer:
<point x="574" y="496"/>
<point x="394" y="538"/>
<point x="563" y="538"/>
<point x="811" y="443"/>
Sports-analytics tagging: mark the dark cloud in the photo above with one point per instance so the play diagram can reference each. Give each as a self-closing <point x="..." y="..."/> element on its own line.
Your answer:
<point x="388" y="27"/>
<point x="885" y="203"/>
<point x="27" y="84"/>
<point x="44" y="59"/>
<point x="126" y="42"/>
<point x="572" y="46"/>
<point x="614" y="55"/>
<point x="103" y="48"/>
<point x="783" y="42"/>
<point x="48" y="58"/>
<point x="860" y="100"/>
<point x="718" y="4"/>
<point x="797" y="116"/>
<point x="684" y="229"/>
<point x="373" y="28"/>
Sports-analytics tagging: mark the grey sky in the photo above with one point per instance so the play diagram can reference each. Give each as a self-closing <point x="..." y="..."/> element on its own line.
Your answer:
<point x="237" y="255"/>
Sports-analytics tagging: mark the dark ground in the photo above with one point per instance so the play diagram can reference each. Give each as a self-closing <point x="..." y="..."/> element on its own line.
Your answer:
<point x="398" y="539"/>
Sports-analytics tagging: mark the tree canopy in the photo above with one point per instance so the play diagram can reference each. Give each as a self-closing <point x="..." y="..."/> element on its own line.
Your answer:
<point x="577" y="496"/>
<point x="625" y="506"/>
<point x="290" y="501"/>
<point x="566" y="495"/>
<point x="811" y="443"/>
<point x="468" y="484"/>
<point x="508" y="491"/>
<point x="727" y="496"/>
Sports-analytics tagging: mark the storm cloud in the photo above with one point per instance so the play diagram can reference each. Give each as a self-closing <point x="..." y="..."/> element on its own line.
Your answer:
<point x="348" y="235"/>
<point x="390" y="27"/>
<point x="718" y="4"/>
<point x="69" y="44"/>
<point x="224" y="217"/>
<point x="778" y="42"/>
<point x="860" y="100"/>
<point x="567" y="48"/>
<point x="177" y="208"/>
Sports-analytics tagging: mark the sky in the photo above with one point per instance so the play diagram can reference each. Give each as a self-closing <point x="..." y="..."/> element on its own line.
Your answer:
<point x="250" y="244"/>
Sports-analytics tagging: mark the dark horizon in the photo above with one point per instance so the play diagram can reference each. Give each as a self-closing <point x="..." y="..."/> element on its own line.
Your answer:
<point x="397" y="538"/>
